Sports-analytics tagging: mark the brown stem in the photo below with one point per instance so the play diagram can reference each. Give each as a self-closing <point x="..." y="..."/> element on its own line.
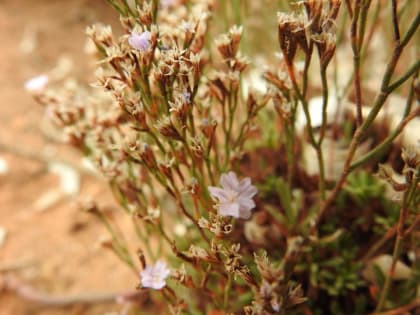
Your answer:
<point x="349" y="8"/>
<point x="388" y="235"/>
<point x="413" y="225"/>
<point x="395" y="23"/>
<point x="361" y="130"/>
<point x="356" y="60"/>
<point x="401" y="310"/>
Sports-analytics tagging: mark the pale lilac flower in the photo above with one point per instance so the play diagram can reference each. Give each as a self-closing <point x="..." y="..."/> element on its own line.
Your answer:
<point x="154" y="276"/>
<point x="235" y="197"/>
<point x="140" y="41"/>
<point x="36" y="84"/>
<point x="186" y="96"/>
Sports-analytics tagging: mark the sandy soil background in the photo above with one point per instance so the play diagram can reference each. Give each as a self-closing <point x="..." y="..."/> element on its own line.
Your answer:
<point x="45" y="240"/>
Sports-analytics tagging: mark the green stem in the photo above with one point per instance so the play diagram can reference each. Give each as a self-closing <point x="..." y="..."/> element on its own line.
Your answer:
<point x="379" y="102"/>
<point x="380" y="148"/>
<point x="318" y="149"/>
<point x="387" y="283"/>
<point x="324" y="105"/>
<point x="226" y="292"/>
<point x="412" y="70"/>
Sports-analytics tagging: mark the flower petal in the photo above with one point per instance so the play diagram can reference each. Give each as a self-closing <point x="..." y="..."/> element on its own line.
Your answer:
<point x="229" y="209"/>
<point x="140" y="41"/>
<point x="244" y="183"/>
<point x="219" y="193"/>
<point x="245" y="202"/>
<point x="229" y="181"/>
<point x="248" y="192"/>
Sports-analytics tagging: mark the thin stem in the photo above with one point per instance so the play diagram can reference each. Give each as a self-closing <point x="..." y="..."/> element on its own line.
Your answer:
<point x="315" y="145"/>
<point x="375" y="247"/>
<point x="401" y="310"/>
<point x="413" y="69"/>
<point x="387" y="283"/>
<point x="356" y="60"/>
<point x="361" y="130"/>
<point x="395" y="23"/>
<point x="380" y="148"/>
<point x="324" y="105"/>
<point x="349" y="8"/>
<point x="396" y="251"/>
<point x="226" y="292"/>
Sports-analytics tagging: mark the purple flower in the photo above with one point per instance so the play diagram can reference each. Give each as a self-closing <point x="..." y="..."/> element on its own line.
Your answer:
<point x="186" y="96"/>
<point x="140" y="41"/>
<point x="154" y="276"/>
<point x="235" y="198"/>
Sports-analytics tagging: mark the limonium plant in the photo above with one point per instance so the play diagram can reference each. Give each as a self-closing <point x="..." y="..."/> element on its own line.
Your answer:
<point x="254" y="155"/>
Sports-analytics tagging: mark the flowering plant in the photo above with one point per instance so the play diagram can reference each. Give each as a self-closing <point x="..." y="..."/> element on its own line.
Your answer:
<point x="298" y="223"/>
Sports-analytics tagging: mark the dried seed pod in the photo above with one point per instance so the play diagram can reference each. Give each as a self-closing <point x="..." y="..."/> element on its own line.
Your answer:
<point x="166" y="170"/>
<point x="208" y="127"/>
<point x="411" y="156"/>
<point x="314" y="13"/>
<point x="386" y="173"/>
<point x="147" y="156"/>
<point x="289" y="30"/>
<point x="194" y="188"/>
<point x="101" y="35"/>
<point x="228" y="44"/>
<point x="326" y="44"/>
<point x="167" y="129"/>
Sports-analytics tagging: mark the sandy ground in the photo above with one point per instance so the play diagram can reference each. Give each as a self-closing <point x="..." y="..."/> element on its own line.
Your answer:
<point x="51" y="246"/>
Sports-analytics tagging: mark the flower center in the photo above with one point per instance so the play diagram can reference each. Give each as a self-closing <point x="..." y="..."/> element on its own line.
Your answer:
<point x="233" y="195"/>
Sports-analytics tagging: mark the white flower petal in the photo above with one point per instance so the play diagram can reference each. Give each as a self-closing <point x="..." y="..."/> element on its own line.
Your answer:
<point x="244" y="183"/>
<point x="235" y="198"/>
<point x="246" y="203"/>
<point x="154" y="276"/>
<point x="221" y="194"/>
<point x="249" y="192"/>
<point x="229" y="181"/>
<point x="229" y="209"/>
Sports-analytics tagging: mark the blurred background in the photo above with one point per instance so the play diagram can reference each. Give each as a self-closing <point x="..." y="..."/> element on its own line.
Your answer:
<point x="45" y="240"/>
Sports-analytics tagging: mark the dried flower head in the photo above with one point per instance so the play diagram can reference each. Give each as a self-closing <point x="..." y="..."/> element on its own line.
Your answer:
<point x="228" y="44"/>
<point x="235" y="198"/>
<point x="326" y="44"/>
<point x="291" y="33"/>
<point x="167" y="129"/>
